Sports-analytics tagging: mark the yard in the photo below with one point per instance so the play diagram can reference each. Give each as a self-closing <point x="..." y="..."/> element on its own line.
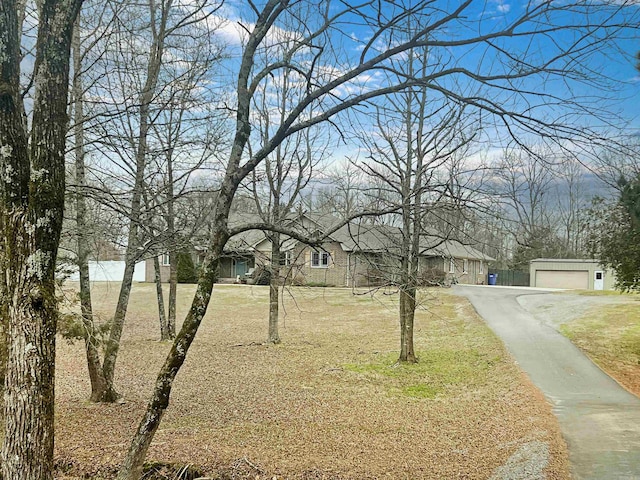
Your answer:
<point x="610" y="335"/>
<point x="328" y="403"/>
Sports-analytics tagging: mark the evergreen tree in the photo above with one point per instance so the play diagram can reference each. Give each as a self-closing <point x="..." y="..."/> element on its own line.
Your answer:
<point x="186" y="269"/>
<point x="617" y="240"/>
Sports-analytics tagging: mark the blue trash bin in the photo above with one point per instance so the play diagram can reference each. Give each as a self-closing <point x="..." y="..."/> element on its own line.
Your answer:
<point x="493" y="277"/>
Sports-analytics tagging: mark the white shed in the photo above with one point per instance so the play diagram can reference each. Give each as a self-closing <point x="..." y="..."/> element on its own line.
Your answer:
<point x="570" y="273"/>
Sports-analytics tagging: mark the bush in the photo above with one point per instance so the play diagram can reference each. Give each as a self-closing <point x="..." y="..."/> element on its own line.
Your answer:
<point x="186" y="269"/>
<point x="430" y="277"/>
<point x="376" y="277"/>
<point x="261" y="275"/>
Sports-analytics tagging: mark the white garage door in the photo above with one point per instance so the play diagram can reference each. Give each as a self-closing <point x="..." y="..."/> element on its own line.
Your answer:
<point x="562" y="278"/>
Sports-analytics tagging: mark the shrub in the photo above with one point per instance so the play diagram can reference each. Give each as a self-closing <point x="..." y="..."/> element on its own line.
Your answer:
<point x="262" y="275"/>
<point x="186" y="268"/>
<point x="430" y="277"/>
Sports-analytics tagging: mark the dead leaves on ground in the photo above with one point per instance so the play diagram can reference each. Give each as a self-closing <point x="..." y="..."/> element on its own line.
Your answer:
<point x="243" y="409"/>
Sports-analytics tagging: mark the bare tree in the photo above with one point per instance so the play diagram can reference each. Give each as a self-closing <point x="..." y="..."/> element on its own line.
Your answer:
<point x="572" y="199"/>
<point x="279" y="182"/>
<point x="184" y="142"/>
<point x="526" y="188"/>
<point x="146" y="83"/>
<point x="96" y="376"/>
<point x="411" y="153"/>
<point x="31" y="213"/>
<point x="342" y="190"/>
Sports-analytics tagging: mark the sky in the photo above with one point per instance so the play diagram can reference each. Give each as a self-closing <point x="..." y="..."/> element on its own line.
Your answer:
<point x="610" y="85"/>
<point x="611" y="89"/>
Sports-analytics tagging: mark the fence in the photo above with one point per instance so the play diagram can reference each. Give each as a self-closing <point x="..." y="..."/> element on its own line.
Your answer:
<point x="511" y="278"/>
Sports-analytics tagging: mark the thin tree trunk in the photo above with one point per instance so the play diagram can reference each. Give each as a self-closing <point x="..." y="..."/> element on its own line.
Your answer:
<point x="173" y="294"/>
<point x="94" y="365"/>
<point x="132" y="466"/>
<point x="173" y="254"/>
<point x="411" y="222"/>
<point x="113" y="344"/>
<point x="274" y="289"/>
<point x="164" y="332"/>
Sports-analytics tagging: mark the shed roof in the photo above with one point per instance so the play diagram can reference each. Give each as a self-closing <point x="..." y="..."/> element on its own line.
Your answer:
<point x="565" y="260"/>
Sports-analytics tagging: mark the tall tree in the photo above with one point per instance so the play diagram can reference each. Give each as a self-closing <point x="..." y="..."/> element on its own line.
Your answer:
<point x="186" y="134"/>
<point x="342" y="194"/>
<point x="31" y="212"/>
<point x="572" y="197"/>
<point x="94" y="364"/>
<point x="278" y="184"/>
<point x="150" y="80"/>
<point x="526" y="185"/>
<point x="412" y="149"/>
<point x="615" y="234"/>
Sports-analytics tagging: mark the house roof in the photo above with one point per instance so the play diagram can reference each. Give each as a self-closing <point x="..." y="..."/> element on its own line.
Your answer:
<point x="384" y="238"/>
<point x="564" y="260"/>
<point x="244" y="242"/>
<point x="353" y="237"/>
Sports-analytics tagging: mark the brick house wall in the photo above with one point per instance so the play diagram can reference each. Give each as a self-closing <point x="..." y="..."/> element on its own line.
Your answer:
<point x="474" y="273"/>
<point x="149" y="274"/>
<point x="334" y="274"/>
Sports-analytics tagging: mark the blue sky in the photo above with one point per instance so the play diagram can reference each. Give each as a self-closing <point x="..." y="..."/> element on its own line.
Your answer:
<point x="616" y="91"/>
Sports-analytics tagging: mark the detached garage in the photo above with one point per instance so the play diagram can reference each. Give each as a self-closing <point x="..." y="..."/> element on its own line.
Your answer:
<point x="570" y="274"/>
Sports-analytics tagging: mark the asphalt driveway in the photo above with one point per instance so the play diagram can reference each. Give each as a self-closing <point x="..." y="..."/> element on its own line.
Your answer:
<point x="599" y="419"/>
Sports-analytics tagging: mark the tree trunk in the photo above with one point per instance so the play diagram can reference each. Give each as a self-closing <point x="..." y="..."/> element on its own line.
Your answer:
<point x="31" y="212"/>
<point x="173" y="294"/>
<point x="113" y="344"/>
<point x="407" y="315"/>
<point x="164" y="332"/>
<point x="132" y="466"/>
<point x="29" y="399"/>
<point x="173" y="254"/>
<point x="274" y="290"/>
<point x="94" y="365"/>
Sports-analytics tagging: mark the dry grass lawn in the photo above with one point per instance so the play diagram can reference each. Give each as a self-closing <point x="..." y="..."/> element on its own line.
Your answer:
<point x="610" y="336"/>
<point x="328" y="403"/>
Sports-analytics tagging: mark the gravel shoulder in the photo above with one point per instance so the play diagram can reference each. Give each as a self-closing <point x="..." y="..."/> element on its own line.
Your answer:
<point x="556" y="309"/>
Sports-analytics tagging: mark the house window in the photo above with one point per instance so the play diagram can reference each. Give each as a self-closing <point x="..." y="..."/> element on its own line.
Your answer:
<point x="481" y="268"/>
<point x="285" y="259"/>
<point x="452" y="265"/>
<point x="465" y="265"/>
<point x="320" y="259"/>
<point x="165" y="260"/>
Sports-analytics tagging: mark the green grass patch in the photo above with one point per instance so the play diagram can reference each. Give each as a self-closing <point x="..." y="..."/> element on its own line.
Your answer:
<point x="420" y="391"/>
<point x="437" y="371"/>
<point x="605" y="293"/>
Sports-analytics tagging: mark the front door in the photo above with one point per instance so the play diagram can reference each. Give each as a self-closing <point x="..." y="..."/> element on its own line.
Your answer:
<point x="598" y="280"/>
<point x="241" y="267"/>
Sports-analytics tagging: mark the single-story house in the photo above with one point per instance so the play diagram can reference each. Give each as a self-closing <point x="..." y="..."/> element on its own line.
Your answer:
<point x="570" y="273"/>
<point x="360" y="255"/>
<point x="353" y="256"/>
